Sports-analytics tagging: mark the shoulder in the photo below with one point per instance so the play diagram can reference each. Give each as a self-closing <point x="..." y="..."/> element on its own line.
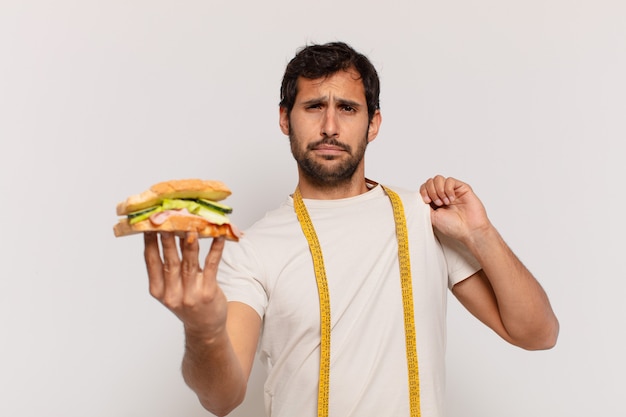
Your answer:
<point x="273" y="222"/>
<point x="274" y="229"/>
<point x="411" y="199"/>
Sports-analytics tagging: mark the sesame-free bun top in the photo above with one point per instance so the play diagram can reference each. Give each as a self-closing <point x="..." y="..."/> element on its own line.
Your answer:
<point x="185" y="188"/>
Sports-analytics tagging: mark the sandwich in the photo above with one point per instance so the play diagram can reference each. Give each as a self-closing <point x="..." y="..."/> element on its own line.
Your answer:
<point x="178" y="206"/>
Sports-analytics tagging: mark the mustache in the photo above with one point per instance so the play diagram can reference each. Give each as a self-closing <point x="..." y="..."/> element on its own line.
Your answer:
<point x="329" y="141"/>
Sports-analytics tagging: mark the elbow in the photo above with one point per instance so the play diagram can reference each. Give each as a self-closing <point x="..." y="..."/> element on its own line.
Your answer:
<point x="219" y="394"/>
<point x="218" y="412"/>
<point x="542" y="339"/>
<point x="550" y="335"/>
<point x="222" y="408"/>
<point x="220" y="402"/>
<point x="541" y="344"/>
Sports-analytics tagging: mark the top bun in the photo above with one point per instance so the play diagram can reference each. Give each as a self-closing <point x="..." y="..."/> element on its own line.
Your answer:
<point x="187" y="188"/>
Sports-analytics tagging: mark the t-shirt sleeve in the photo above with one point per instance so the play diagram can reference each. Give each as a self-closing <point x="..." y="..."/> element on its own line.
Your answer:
<point x="461" y="263"/>
<point x="240" y="276"/>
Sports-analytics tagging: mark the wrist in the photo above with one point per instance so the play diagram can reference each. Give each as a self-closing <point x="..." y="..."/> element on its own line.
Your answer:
<point x="482" y="239"/>
<point x="201" y="336"/>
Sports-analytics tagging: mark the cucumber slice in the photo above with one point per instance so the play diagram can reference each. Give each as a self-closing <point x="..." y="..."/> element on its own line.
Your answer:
<point x="141" y="215"/>
<point x="212" y="215"/>
<point x="215" y="205"/>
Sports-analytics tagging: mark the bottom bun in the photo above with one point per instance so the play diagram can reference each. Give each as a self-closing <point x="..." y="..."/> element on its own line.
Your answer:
<point x="179" y="225"/>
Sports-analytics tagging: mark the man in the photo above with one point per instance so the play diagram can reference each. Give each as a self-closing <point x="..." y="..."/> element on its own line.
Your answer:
<point x="342" y="289"/>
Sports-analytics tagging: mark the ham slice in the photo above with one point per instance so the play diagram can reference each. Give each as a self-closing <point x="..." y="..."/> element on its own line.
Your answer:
<point x="160" y="217"/>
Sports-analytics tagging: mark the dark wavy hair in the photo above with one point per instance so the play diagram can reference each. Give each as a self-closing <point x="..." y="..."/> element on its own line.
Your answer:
<point x="318" y="61"/>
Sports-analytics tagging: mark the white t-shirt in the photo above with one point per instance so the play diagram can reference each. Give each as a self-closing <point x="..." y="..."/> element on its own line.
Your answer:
<point x="271" y="270"/>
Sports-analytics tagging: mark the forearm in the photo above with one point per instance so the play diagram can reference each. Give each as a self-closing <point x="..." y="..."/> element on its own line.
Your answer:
<point x="212" y="370"/>
<point x="522" y="303"/>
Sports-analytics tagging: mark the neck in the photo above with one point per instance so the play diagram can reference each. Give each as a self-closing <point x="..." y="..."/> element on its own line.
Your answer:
<point x="351" y="188"/>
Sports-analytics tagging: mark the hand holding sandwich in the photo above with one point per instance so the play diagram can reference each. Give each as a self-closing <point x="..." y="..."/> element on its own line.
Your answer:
<point x="179" y="283"/>
<point x="190" y="209"/>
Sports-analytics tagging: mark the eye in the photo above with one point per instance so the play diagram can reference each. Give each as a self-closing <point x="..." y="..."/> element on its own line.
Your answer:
<point x="348" y="108"/>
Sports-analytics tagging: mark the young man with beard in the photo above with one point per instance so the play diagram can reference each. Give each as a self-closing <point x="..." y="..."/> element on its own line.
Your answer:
<point x="342" y="289"/>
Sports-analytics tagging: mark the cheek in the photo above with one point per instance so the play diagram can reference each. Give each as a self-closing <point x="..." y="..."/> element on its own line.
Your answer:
<point x="303" y="129"/>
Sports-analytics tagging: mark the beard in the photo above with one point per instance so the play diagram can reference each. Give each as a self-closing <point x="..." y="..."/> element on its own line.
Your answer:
<point x="327" y="175"/>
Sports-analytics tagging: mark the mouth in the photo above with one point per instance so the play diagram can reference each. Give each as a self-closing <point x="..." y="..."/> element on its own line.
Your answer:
<point x="329" y="147"/>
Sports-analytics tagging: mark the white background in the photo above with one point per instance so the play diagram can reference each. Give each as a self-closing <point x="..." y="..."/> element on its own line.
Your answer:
<point x="99" y="99"/>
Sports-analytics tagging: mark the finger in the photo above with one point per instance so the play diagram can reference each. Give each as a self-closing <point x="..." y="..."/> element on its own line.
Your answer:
<point x="429" y="194"/>
<point x="154" y="265"/>
<point x="440" y="188"/>
<point x="190" y="267"/>
<point x="431" y="188"/>
<point x="450" y="187"/>
<point x="171" y="263"/>
<point x="213" y="259"/>
<point x="424" y="193"/>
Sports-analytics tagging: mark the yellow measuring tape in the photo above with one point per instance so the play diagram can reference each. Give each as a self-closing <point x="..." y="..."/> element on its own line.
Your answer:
<point x="322" y="286"/>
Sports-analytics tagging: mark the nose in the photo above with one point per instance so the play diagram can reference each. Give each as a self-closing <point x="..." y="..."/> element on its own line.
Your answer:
<point x="330" y="126"/>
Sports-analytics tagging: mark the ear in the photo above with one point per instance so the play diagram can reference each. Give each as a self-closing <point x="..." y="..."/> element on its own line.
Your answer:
<point x="374" y="126"/>
<point x="283" y="120"/>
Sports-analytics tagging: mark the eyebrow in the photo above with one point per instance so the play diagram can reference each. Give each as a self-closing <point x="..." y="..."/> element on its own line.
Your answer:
<point x="340" y="101"/>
